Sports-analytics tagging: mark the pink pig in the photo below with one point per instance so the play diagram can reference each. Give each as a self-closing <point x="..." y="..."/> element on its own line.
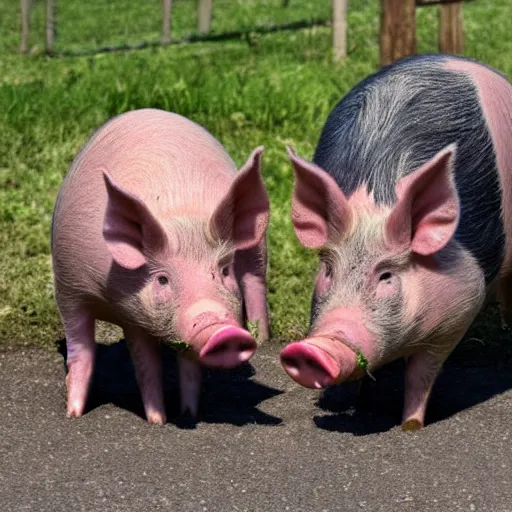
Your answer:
<point x="155" y="231"/>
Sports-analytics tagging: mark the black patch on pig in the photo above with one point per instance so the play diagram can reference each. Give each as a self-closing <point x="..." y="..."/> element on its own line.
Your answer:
<point x="397" y="119"/>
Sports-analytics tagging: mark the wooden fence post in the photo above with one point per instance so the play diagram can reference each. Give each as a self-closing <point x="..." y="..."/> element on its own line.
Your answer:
<point x="166" y="21"/>
<point x="25" y="25"/>
<point x="339" y="28"/>
<point x="50" y="26"/>
<point x="397" y="30"/>
<point x="451" y="34"/>
<point x="205" y="15"/>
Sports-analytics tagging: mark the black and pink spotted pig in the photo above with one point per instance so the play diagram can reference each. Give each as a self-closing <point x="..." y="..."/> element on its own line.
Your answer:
<point x="409" y="201"/>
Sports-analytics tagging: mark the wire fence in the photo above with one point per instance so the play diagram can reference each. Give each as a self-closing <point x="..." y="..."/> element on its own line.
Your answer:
<point x="154" y="22"/>
<point x="397" y="26"/>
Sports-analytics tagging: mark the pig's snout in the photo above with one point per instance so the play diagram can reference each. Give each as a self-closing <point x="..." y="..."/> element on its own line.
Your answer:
<point x="227" y="347"/>
<point x="308" y="365"/>
<point x="215" y="336"/>
<point x="318" y="362"/>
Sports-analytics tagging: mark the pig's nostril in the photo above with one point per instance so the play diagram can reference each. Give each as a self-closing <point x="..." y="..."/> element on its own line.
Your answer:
<point x="313" y="365"/>
<point x="233" y="345"/>
<point x="297" y="363"/>
<point x="292" y="366"/>
<point x="245" y="345"/>
<point x="290" y="362"/>
<point x="219" y="348"/>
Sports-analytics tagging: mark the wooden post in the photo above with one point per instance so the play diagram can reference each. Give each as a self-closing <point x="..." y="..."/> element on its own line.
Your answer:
<point x="451" y="34"/>
<point x="50" y="26"/>
<point x="339" y="28"/>
<point x="397" y="30"/>
<point x="166" y="21"/>
<point x="25" y="25"/>
<point x="205" y="15"/>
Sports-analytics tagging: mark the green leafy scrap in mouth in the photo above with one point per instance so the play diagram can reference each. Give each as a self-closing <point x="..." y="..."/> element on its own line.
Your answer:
<point x="362" y="362"/>
<point x="179" y="346"/>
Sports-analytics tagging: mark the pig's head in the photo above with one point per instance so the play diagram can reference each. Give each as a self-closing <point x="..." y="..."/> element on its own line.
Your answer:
<point x="381" y="268"/>
<point x="186" y="289"/>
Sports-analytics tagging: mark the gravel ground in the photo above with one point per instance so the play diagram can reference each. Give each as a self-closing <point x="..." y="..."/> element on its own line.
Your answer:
<point x="262" y="444"/>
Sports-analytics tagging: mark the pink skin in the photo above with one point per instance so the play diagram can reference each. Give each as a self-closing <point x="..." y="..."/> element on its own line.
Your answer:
<point x="421" y="223"/>
<point x="250" y="270"/>
<point x="136" y="241"/>
<point x="80" y="362"/>
<point x="421" y="372"/>
<point x="320" y="210"/>
<point x="495" y="94"/>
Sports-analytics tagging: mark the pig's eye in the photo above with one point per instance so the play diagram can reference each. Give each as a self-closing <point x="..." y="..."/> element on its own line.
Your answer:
<point x="225" y="270"/>
<point x="385" y="276"/>
<point x="163" y="280"/>
<point x="328" y="269"/>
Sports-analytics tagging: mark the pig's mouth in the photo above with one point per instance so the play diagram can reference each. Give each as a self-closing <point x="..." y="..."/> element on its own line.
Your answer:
<point x="204" y="330"/>
<point x="321" y="361"/>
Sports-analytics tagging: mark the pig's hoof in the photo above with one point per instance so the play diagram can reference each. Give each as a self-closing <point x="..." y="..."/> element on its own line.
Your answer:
<point x="187" y="420"/>
<point x="75" y="409"/>
<point x="411" y="425"/>
<point x="309" y="365"/>
<point x="156" y="418"/>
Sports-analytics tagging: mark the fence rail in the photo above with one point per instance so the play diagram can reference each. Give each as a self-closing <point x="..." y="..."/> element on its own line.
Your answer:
<point x="397" y="28"/>
<point x="198" y="38"/>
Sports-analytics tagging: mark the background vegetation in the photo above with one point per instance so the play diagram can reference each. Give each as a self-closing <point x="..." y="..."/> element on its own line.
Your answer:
<point x="274" y="90"/>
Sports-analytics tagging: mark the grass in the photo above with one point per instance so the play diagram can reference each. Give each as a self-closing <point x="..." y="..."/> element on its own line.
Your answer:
<point x="274" y="91"/>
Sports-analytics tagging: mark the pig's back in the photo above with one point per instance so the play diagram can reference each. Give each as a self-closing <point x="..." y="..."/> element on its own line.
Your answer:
<point x="400" y="117"/>
<point x="153" y="153"/>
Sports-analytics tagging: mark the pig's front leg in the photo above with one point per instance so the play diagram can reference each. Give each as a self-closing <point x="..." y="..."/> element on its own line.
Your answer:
<point x="81" y="348"/>
<point x="423" y="368"/>
<point x="147" y="359"/>
<point x="421" y="372"/>
<point x="190" y="386"/>
<point x="251" y="269"/>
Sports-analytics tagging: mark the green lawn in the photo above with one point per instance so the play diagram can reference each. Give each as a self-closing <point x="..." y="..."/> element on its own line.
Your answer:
<point x="274" y="91"/>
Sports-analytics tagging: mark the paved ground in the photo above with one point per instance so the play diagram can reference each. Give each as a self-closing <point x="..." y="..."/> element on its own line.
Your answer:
<point x="263" y="444"/>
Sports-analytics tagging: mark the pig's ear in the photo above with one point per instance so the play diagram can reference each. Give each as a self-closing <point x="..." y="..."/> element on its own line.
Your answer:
<point x="243" y="213"/>
<point x="320" y="210"/>
<point x="427" y="212"/>
<point x="129" y="229"/>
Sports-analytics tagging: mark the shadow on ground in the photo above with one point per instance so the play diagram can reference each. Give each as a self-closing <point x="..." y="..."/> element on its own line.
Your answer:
<point x="228" y="396"/>
<point x="478" y="369"/>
